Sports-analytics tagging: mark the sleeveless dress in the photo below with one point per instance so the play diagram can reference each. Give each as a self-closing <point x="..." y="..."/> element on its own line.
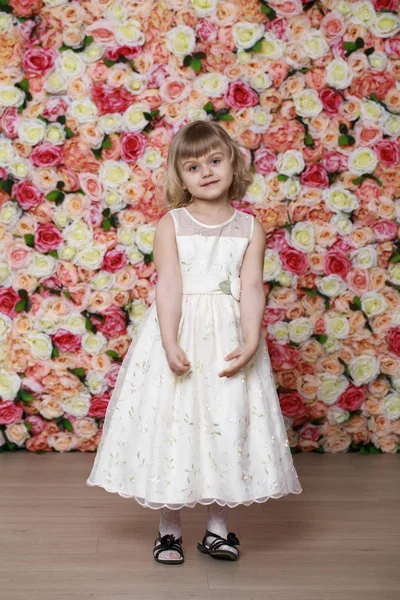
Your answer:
<point x="174" y="441"/>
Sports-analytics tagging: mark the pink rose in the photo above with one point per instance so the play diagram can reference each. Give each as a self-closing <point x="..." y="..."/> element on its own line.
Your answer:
<point x="388" y="152"/>
<point x="9" y="122"/>
<point x="91" y="185"/>
<point x="278" y="28"/>
<point x="114" y="323"/>
<point x="331" y="101"/>
<point x="337" y="48"/>
<point x="309" y="432"/>
<point x="27" y="194"/>
<point x="384" y="230"/>
<point x="273" y="315"/>
<point x="47" y="237"/>
<point x="294" y="261"/>
<point x="394" y="340"/>
<point x="332" y="26"/>
<point x="264" y="160"/>
<point x="37" y="424"/>
<point x="39" y="60"/>
<point x="314" y="176"/>
<point x="133" y="146"/>
<point x="111" y="100"/>
<point x="287" y="8"/>
<point x="92" y="215"/>
<point x="392" y="46"/>
<point x="173" y="89"/>
<point x="157" y="74"/>
<point x="283" y="357"/>
<point x="352" y="398"/>
<point x="112" y="374"/>
<point x="240" y="95"/>
<point x="98" y="405"/>
<point x="25" y="8"/>
<point x="46" y="155"/>
<point x="291" y="404"/>
<point x="277" y="241"/>
<point x="114" y="260"/>
<point x="358" y="280"/>
<point x="102" y="31"/>
<point x="10" y="412"/>
<point x="128" y="52"/>
<point x="8" y="300"/>
<point x="18" y="255"/>
<point x="66" y="341"/>
<point x="336" y="264"/>
<point x="207" y="30"/>
<point x="334" y="162"/>
<point x="55" y="107"/>
<point x="367" y="133"/>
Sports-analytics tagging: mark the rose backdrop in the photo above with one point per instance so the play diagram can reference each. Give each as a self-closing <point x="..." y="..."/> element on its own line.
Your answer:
<point x="91" y="93"/>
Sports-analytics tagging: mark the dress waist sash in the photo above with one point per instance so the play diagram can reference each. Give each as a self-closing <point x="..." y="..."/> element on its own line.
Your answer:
<point x="210" y="284"/>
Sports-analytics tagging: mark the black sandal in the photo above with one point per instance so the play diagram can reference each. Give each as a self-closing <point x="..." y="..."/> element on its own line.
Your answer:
<point x="214" y="549"/>
<point x="168" y="542"/>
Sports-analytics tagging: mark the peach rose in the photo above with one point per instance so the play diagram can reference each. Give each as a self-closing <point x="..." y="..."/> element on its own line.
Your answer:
<point x="307" y="387"/>
<point x="388" y="443"/>
<point x="100" y="363"/>
<point x="99" y="301"/>
<point x="63" y="441"/>
<point x="311" y="350"/>
<point x="372" y="406"/>
<point x="337" y="442"/>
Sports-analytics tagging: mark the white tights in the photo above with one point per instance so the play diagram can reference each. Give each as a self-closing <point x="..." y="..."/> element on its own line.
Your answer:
<point x="170" y="522"/>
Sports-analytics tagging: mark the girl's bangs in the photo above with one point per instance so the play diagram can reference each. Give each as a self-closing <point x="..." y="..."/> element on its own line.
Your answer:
<point x="197" y="143"/>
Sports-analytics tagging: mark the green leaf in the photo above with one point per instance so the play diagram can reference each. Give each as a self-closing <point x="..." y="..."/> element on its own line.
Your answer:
<point x="114" y="355"/>
<point x="60" y="185"/>
<point x="187" y="60"/>
<point x="363" y="450"/>
<point x="87" y="41"/>
<point x="282" y="177"/>
<point x="67" y="424"/>
<point x="224" y="117"/>
<point x="26" y="396"/>
<point x="21" y="305"/>
<point x="360" y="43"/>
<point x="257" y="46"/>
<point x="68" y="133"/>
<point x="51" y="196"/>
<point x="79" y="372"/>
<point x="88" y="324"/>
<point x="109" y="63"/>
<point x="53" y="253"/>
<point x="67" y="294"/>
<point x="369" y="51"/>
<point x="61" y="119"/>
<point x="225" y="286"/>
<point x="196" y="65"/>
<point x="55" y="352"/>
<point x="199" y="55"/>
<point x="308" y="140"/>
<point x="343" y="128"/>
<point x="267" y="10"/>
<point x="349" y="46"/>
<point x="343" y="140"/>
<point x="106" y="224"/>
<point x="358" y="180"/>
<point x="209" y="107"/>
<point x="60" y="199"/>
<point x="321" y="338"/>
<point x="24" y="85"/>
<point x="106" y="142"/>
<point x="29" y="240"/>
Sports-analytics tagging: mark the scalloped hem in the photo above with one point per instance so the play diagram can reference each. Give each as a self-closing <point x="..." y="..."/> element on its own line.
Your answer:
<point x="203" y="501"/>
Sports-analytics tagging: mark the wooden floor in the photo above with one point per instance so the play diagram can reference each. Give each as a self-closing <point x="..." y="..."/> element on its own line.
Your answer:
<point x="63" y="540"/>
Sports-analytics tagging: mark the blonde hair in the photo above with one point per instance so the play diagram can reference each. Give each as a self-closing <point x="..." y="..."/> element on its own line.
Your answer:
<point x="193" y="141"/>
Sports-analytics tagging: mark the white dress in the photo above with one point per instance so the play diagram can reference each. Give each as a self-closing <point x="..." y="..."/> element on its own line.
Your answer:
<point x="174" y="441"/>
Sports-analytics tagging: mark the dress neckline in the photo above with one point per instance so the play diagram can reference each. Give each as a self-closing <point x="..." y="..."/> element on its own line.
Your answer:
<point x="204" y="225"/>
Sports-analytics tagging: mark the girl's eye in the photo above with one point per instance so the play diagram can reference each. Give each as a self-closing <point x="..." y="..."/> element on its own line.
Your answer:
<point x="217" y="159"/>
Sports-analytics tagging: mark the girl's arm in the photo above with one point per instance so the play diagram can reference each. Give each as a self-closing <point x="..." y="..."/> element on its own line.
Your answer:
<point x="169" y="282"/>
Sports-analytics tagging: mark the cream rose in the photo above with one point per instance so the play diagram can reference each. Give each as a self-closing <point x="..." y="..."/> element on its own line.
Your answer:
<point x="129" y="34"/>
<point x="56" y="82"/>
<point x="95" y="383"/>
<point x="362" y="160"/>
<point x="302" y="237"/>
<point x="307" y="103"/>
<point x="70" y="64"/>
<point x="272" y="48"/>
<point x="364" y="369"/>
<point x="339" y="199"/>
<point x="112" y="123"/>
<point x="7" y="152"/>
<point x="90" y="256"/>
<point x="272" y="265"/>
<point x="213" y="85"/>
<point x="279" y="331"/>
<point x="55" y="134"/>
<point x="331" y="285"/>
<point x="331" y="387"/>
<point x="372" y="111"/>
<point x="40" y="345"/>
<point x="42" y="265"/>
<point x="31" y="131"/>
<point x="364" y="258"/>
<point x="9" y="384"/>
<point x="391" y="406"/>
<point x="181" y="40"/>
<point x="314" y="44"/>
<point x="300" y="330"/>
<point x="246" y="34"/>
<point x="113" y="173"/>
<point x="204" y="8"/>
<point x="290" y="163"/>
<point x="103" y="280"/>
<point x="258" y="190"/>
<point x="78" y="234"/>
<point x="337" y="326"/>
<point x="144" y="238"/>
<point x="137" y="311"/>
<point x="11" y="96"/>
<point x="373" y="304"/>
<point x="338" y="74"/>
<point x="133" y="118"/>
<point x="83" y="110"/>
<point x="385" y="25"/>
<point x="151" y="159"/>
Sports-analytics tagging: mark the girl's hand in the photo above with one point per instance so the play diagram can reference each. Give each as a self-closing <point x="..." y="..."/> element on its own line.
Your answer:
<point x="177" y="359"/>
<point x="240" y="356"/>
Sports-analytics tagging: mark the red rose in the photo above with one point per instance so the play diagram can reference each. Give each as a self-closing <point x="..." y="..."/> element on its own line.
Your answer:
<point x="240" y="95"/>
<point x="114" y="260"/>
<point x="26" y="194"/>
<point x="114" y="323"/>
<point x="47" y="237"/>
<point x="277" y="241"/>
<point x="264" y="160"/>
<point x="66" y="341"/>
<point x="54" y="108"/>
<point x="314" y="176"/>
<point x="291" y="404"/>
<point x="47" y="155"/>
<point x="384" y="230"/>
<point x="128" y="52"/>
<point x="352" y="398"/>
<point x="336" y="264"/>
<point x="10" y="412"/>
<point x="9" y="122"/>
<point x="133" y="146"/>
<point x="112" y="375"/>
<point x="294" y="261"/>
<point x="111" y="100"/>
<point x="39" y="60"/>
<point x="334" y="161"/>
<point x="98" y="405"/>
<point x="331" y="101"/>
<point x="283" y="356"/>
<point x="391" y="5"/>
<point x="309" y="432"/>
<point x="394" y="340"/>
<point x="37" y="424"/>
<point x="207" y="30"/>
<point x="388" y="152"/>
<point x="8" y="300"/>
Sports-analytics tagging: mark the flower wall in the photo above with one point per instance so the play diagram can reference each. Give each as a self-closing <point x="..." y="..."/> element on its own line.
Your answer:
<point x="91" y="93"/>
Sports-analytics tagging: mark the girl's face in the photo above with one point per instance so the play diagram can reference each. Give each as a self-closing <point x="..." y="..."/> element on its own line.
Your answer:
<point x="208" y="177"/>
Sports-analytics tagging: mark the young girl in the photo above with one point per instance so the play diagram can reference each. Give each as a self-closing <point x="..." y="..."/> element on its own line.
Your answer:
<point x="194" y="417"/>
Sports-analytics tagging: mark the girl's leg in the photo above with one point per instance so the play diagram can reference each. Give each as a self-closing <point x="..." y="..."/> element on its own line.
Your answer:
<point x="170" y="522"/>
<point x="217" y="523"/>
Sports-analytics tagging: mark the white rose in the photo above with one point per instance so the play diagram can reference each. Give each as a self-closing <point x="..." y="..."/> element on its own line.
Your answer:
<point x="302" y="237"/>
<point x="261" y="120"/>
<point x="90" y="257"/>
<point x="93" y="343"/>
<point x="260" y="82"/>
<point x="136" y="83"/>
<point x="213" y="85"/>
<point x="300" y="330"/>
<point x="133" y="118"/>
<point x="42" y="265"/>
<point x="331" y="285"/>
<point x="78" y="234"/>
<point x="271" y="47"/>
<point x="151" y="159"/>
<point x="10" y="212"/>
<point x="337" y="415"/>
<point x="181" y="40"/>
<point x="5" y="275"/>
<point x="378" y="61"/>
<point x="337" y="326"/>
<point x="9" y="385"/>
<point x="365" y="258"/>
<point x="272" y="265"/>
<point x="55" y="134"/>
<point x="129" y="34"/>
<point x="391" y="407"/>
<point x="331" y="345"/>
<point x="17" y="433"/>
<point x="20" y="168"/>
<point x="77" y="406"/>
<point x="92" y="53"/>
<point x="95" y="383"/>
<point x="314" y="44"/>
<point x="373" y="304"/>
<point x="331" y="387"/>
<point x="385" y="25"/>
<point x="110" y="123"/>
<point x="204" y="8"/>
<point x="290" y="163"/>
<point x="5" y="327"/>
<point x="31" y="131"/>
<point x="75" y="323"/>
<point x="196" y="114"/>
<point x="362" y="160"/>
<point x="338" y="74"/>
<point x="339" y="199"/>
<point x="116" y="13"/>
<point x="391" y="126"/>
<point x="126" y="236"/>
<point x="46" y="323"/>
<point x="394" y="273"/>
<point x="246" y="34"/>
<point x="6" y="23"/>
<point x="144" y="238"/>
<point x="53" y="3"/>
<point x="40" y="345"/>
<point x="70" y="64"/>
<point x="114" y="201"/>
<point x="56" y="82"/>
<point x="134" y="255"/>
<point x="307" y="103"/>
<point x="11" y="96"/>
<point x="7" y="152"/>
<point x="61" y="218"/>
<point x="83" y="110"/>
<point x="103" y="280"/>
<point x="286" y="279"/>
<point x="66" y="252"/>
<point x="113" y="173"/>
<point x="291" y="187"/>
<point x="363" y="13"/>
<point x="372" y="111"/>
<point x="364" y="369"/>
<point x="258" y="190"/>
<point x="137" y="311"/>
<point x="279" y="331"/>
<point x="342" y="225"/>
